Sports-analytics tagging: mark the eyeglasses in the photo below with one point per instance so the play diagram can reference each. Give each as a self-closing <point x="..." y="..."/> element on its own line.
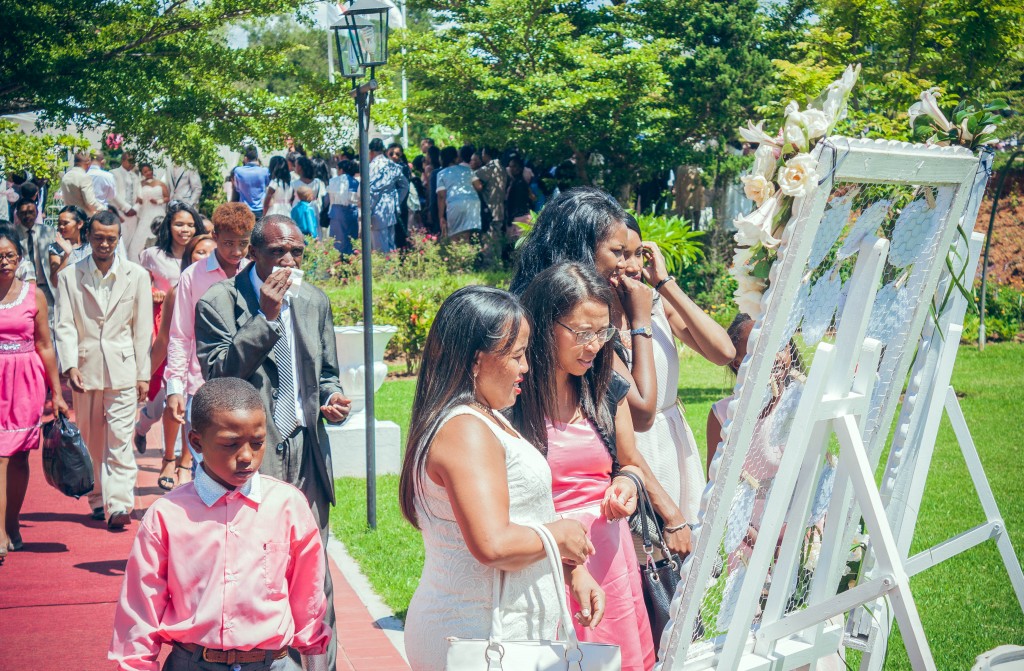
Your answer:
<point x="587" y="337"/>
<point x="10" y="258"/>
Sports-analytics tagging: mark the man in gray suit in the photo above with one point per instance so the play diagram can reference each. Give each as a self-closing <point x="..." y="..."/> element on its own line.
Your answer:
<point x="260" y="327"/>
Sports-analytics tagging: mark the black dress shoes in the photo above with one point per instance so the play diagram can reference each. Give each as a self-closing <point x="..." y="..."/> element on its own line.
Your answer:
<point x="97" y="514"/>
<point x="119" y="520"/>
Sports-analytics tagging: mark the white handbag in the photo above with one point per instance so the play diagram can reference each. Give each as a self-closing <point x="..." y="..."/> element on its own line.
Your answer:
<point x="496" y="654"/>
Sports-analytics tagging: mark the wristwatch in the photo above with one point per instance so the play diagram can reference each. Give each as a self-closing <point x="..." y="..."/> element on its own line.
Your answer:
<point x="643" y="331"/>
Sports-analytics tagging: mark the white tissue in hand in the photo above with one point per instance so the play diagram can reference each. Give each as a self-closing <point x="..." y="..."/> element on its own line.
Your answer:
<point x="296" y="278"/>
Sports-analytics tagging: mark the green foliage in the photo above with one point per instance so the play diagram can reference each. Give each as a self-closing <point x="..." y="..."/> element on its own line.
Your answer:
<point x="42" y="155"/>
<point x="633" y="82"/>
<point x="679" y="243"/>
<point x="413" y="313"/>
<point x="710" y="286"/>
<point x="165" y="74"/>
<point x="964" y="49"/>
<point x="1004" y="316"/>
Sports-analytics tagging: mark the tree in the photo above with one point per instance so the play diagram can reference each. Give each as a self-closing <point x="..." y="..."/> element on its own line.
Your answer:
<point x="163" y="73"/>
<point x="963" y="47"/>
<point x="635" y="82"/>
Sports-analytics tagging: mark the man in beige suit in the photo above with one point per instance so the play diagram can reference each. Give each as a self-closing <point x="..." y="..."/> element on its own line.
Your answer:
<point x="104" y="326"/>
<point x="76" y="186"/>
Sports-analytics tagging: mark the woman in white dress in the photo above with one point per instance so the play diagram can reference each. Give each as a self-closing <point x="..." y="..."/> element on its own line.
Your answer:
<point x="279" y="192"/>
<point x="152" y="207"/>
<point x="652" y="365"/>
<point x="470" y="482"/>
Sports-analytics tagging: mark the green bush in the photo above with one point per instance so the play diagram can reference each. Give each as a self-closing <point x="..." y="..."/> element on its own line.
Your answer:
<point x="679" y="243"/>
<point x="711" y="287"/>
<point x="1004" y="315"/>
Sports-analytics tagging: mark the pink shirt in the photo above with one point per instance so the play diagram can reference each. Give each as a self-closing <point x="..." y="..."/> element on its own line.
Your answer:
<point x="183" y="374"/>
<point x="245" y="571"/>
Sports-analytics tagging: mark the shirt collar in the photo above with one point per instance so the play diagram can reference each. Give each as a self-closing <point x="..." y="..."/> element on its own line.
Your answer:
<point x="211" y="491"/>
<point x="257" y="284"/>
<point x="212" y="263"/>
<point x="114" y="267"/>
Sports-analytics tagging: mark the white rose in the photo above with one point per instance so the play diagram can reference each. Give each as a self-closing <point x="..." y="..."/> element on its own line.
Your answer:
<point x="757" y="188"/>
<point x="799" y="176"/>
<point x="764" y="161"/>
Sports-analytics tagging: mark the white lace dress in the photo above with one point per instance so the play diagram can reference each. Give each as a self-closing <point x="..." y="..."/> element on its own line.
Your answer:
<point x="454" y="593"/>
<point x="668" y="446"/>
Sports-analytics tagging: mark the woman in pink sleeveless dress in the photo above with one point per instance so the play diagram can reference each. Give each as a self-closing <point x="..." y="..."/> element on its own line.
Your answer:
<point x="27" y="362"/>
<point x="574" y="405"/>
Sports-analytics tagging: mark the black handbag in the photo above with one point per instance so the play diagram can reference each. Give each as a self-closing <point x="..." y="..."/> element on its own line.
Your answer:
<point x="67" y="465"/>
<point x="659" y="578"/>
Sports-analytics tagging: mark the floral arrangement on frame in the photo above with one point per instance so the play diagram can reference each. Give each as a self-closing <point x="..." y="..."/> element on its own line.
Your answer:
<point x="785" y="169"/>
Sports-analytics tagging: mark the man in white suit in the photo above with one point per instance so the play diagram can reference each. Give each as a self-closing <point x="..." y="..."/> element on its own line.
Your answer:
<point x="104" y="325"/>
<point x="76" y="186"/>
<point x="184" y="184"/>
<point x="128" y="184"/>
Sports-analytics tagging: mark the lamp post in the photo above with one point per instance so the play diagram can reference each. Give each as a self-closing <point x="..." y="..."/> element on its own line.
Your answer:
<point x="361" y="42"/>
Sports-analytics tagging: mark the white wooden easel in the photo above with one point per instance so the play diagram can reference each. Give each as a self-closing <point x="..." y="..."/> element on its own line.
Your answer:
<point x="835" y="400"/>
<point x="929" y="395"/>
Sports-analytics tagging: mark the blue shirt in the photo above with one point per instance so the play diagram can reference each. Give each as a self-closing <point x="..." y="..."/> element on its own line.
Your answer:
<point x="457" y="183"/>
<point x="305" y="218"/>
<point x="251" y="182"/>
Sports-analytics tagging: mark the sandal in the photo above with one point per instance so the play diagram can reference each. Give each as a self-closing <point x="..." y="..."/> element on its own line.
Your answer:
<point x="166" y="482"/>
<point x="188" y="475"/>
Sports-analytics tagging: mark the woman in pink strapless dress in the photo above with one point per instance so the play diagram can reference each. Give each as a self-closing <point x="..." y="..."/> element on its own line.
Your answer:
<point x="574" y="406"/>
<point x="27" y="362"/>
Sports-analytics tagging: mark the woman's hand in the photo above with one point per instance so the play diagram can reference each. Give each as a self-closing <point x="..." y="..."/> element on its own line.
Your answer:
<point x="637" y="301"/>
<point x="589" y="595"/>
<point x="573" y="544"/>
<point x="60" y="406"/>
<point x="619" y="499"/>
<point x="159" y="296"/>
<point x="681" y="541"/>
<point x="63" y="243"/>
<point x="655" y="270"/>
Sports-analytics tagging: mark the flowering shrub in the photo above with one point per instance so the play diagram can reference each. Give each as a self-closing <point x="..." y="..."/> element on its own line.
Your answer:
<point x="412" y="312"/>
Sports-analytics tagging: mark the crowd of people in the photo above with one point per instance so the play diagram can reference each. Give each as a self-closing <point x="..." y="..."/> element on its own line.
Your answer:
<point x="546" y="404"/>
<point x="449" y="192"/>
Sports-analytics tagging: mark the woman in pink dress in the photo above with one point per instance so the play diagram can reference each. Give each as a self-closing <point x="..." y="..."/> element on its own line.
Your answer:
<point x="574" y="406"/>
<point x="27" y="362"/>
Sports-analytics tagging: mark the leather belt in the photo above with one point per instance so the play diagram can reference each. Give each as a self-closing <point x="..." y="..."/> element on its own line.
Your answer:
<point x="232" y="656"/>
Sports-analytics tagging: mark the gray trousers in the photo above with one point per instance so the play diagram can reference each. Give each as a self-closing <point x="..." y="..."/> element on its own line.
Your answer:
<point x="183" y="660"/>
<point x="320" y="504"/>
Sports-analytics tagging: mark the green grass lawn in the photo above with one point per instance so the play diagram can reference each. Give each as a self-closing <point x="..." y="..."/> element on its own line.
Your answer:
<point x="967" y="604"/>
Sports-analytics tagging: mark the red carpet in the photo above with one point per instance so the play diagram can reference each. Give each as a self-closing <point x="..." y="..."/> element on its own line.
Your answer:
<point x="57" y="595"/>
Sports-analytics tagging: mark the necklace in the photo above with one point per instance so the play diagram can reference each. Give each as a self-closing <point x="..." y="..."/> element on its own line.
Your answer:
<point x="487" y="410"/>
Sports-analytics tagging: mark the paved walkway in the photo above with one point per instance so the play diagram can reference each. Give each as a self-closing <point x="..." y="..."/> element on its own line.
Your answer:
<point x="57" y="596"/>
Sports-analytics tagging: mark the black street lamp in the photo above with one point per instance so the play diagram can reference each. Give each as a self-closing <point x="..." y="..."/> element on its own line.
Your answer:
<point x="361" y="40"/>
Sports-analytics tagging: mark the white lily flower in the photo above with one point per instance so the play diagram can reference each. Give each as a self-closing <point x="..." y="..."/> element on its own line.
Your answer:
<point x="817" y="123"/>
<point x="756" y="227"/>
<point x="930" y="106"/>
<point x="965" y="135"/>
<point x="749" y="302"/>
<point x="764" y="161"/>
<point x="795" y="130"/>
<point x="756" y="135"/>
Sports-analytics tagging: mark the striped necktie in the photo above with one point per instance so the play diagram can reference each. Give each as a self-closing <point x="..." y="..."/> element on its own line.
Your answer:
<point x="284" y="409"/>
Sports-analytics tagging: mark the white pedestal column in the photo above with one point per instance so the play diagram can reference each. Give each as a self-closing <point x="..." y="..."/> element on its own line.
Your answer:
<point x="348" y="442"/>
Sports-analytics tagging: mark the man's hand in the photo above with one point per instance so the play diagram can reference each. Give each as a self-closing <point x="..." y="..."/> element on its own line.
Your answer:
<point x="337" y="408"/>
<point x="130" y="213"/>
<point x="175" y="408"/>
<point x="142" y="387"/>
<point x="272" y="293"/>
<point x="75" y="380"/>
<point x="159" y="296"/>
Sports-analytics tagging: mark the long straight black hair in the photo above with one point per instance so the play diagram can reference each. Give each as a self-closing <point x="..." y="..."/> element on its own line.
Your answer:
<point x="552" y="295"/>
<point x="473" y="319"/>
<point x="569" y="228"/>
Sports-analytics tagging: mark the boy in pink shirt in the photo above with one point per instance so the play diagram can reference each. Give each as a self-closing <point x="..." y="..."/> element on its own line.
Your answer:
<point x="228" y="569"/>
